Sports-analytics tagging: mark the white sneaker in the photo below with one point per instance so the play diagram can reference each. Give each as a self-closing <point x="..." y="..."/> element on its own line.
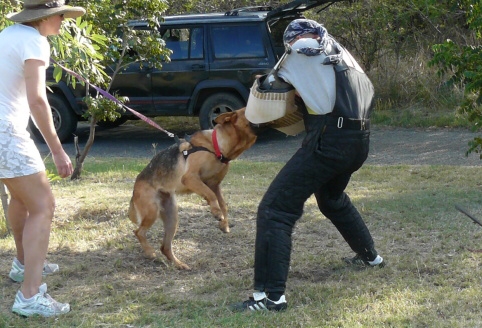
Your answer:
<point x="42" y="304"/>
<point x="18" y="270"/>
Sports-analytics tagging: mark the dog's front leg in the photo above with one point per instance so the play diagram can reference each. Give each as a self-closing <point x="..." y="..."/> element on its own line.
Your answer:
<point x="196" y="185"/>
<point x="223" y="224"/>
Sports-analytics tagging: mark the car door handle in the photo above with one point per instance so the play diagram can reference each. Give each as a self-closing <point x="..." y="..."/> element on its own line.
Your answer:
<point x="198" y="67"/>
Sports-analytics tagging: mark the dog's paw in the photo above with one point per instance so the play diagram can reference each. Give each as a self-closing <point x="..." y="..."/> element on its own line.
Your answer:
<point x="150" y="255"/>
<point x="224" y="226"/>
<point x="183" y="266"/>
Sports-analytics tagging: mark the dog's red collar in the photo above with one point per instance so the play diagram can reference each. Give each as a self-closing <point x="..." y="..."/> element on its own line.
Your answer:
<point x="217" y="151"/>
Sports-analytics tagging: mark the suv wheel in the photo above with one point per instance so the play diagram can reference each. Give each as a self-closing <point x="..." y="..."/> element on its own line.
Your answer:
<point x="65" y="121"/>
<point x="216" y="104"/>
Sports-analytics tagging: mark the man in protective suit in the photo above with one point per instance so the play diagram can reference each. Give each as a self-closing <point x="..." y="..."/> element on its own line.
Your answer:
<point x="336" y="99"/>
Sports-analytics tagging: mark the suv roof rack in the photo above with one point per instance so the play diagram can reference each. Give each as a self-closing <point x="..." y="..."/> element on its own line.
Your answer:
<point x="251" y="9"/>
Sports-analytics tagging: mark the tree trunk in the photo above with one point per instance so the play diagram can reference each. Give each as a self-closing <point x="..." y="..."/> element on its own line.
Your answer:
<point x="80" y="156"/>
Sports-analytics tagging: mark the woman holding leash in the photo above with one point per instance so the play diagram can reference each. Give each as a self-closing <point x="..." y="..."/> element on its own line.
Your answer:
<point x="337" y="100"/>
<point x="25" y="57"/>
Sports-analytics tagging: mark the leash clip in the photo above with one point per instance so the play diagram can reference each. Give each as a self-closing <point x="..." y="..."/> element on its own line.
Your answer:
<point x="339" y="124"/>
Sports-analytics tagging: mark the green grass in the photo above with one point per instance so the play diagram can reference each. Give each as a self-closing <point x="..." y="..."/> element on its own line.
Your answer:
<point x="433" y="276"/>
<point x="420" y="117"/>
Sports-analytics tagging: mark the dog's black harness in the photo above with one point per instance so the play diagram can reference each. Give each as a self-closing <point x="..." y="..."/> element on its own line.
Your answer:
<point x="216" y="153"/>
<point x="194" y="149"/>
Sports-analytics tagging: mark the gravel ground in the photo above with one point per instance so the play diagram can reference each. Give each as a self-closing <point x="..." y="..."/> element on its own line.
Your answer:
<point x="422" y="147"/>
<point x="389" y="146"/>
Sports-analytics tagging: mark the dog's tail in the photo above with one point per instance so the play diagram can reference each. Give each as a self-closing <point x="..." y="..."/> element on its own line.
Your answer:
<point x="132" y="212"/>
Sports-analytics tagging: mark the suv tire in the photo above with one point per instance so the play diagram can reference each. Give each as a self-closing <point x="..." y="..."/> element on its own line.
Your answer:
<point x="215" y="105"/>
<point x="65" y="121"/>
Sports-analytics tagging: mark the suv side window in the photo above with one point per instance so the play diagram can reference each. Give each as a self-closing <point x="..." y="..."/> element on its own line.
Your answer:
<point x="184" y="42"/>
<point x="196" y="48"/>
<point x="238" y="41"/>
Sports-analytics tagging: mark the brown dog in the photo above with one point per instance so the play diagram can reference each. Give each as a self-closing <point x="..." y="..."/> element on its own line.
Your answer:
<point x="198" y="166"/>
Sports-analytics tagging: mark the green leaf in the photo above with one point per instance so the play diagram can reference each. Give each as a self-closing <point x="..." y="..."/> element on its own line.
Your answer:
<point x="57" y="74"/>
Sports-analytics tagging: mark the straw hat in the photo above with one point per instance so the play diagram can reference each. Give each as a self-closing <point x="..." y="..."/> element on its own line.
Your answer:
<point x="37" y="9"/>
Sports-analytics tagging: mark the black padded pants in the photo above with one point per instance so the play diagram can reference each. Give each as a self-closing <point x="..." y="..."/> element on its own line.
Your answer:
<point x="323" y="167"/>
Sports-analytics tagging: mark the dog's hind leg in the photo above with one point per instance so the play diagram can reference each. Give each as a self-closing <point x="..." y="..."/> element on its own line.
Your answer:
<point x="169" y="215"/>
<point x="140" y="233"/>
<point x="144" y="210"/>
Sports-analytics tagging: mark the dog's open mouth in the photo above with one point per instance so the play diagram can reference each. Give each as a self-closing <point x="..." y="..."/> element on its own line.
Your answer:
<point x="259" y="128"/>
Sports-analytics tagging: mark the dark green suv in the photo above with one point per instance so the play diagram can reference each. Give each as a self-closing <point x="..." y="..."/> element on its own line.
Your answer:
<point x="214" y="62"/>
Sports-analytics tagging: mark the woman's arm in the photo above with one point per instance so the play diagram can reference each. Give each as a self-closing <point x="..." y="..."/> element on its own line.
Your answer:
<point x="41" y="113"/>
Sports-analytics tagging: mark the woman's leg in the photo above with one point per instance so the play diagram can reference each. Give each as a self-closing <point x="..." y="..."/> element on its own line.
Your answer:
<point x="17" y="215"/>
<point x="30" y="215"/>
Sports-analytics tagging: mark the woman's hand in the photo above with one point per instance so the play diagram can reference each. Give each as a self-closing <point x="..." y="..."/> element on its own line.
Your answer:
<point x="63" y="164"/>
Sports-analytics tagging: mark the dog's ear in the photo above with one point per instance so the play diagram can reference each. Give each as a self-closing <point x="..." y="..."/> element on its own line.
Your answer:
<point x="226" y="117"/>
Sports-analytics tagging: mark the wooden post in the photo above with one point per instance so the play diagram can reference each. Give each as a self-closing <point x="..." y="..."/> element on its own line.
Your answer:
<point x="4" y="197"/>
